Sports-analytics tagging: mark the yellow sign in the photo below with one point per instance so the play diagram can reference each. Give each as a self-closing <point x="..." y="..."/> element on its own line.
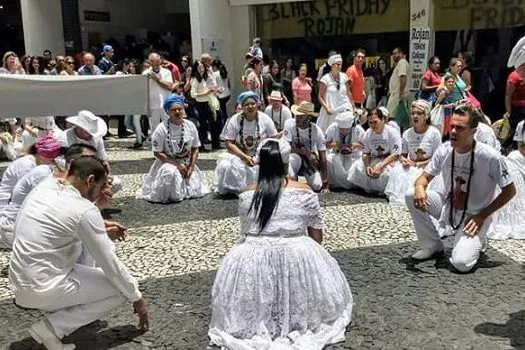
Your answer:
<point x="478" y="14"/>
<point x="332" y="17"/>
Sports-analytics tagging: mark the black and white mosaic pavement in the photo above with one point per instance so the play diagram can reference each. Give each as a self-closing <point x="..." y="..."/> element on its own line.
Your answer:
<point x="175" y="249"/>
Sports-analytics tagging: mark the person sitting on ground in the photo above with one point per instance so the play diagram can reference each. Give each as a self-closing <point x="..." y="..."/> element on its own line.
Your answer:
<point x="471" y="172"/>
<point x="307" y="140"/>
<point x="175" y="143"/>
<point x="29" y="181"/>
<point x="38" y="127"/>
<point x="10" y="147"/>
<point x="44" y="151"/>
<point x="242" y="134"/>
<point x="390" y="119"/>
<point x="279" y="112"/>
<point x="278" y="287"/>
<point x="382" y="147"/>
<point x="420" y="142"/>
<point x="344" y="140"/>
<point x="55" y="221"/>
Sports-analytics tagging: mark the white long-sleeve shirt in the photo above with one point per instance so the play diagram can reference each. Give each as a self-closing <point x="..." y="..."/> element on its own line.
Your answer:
<point x="54" y="222"/>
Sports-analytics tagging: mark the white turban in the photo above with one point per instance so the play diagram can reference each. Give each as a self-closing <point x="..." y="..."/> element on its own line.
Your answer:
<point x="517" y="56"/>
<point x="334" y="59"/>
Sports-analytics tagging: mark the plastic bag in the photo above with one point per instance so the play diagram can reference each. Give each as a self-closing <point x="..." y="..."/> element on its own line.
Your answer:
<point x="502" y="129"/>
<point x="437" y="117"/>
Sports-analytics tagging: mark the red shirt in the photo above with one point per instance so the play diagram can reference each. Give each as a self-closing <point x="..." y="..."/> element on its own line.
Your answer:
<point x="433" y="78"/>
<point x="175" y="72"/>
<point x="518" y="97"/>
<point x="357" y="82"/>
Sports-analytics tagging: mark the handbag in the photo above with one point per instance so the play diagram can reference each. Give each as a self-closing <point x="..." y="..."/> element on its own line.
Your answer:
<point x="502" y="129"/>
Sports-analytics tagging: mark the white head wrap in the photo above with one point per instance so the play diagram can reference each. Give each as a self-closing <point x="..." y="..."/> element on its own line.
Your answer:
<point x="384" y="111"/>
<point x="517" y="55"/>
<point x="423" y="105"/>
<point x="334" y="59"/>
<point x="284" y="148"/>
<point x="344" y="120"/>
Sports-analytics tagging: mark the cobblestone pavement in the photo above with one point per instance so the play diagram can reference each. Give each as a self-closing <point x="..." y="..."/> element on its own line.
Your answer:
<point x="175" y="249"/>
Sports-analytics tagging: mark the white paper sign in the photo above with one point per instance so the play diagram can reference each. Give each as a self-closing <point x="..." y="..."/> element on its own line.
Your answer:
<point x="419" y="54"/>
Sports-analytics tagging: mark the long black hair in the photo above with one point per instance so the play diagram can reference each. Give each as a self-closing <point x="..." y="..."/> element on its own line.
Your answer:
<point x="272" y="170"/>
<point x="195" y="71"/>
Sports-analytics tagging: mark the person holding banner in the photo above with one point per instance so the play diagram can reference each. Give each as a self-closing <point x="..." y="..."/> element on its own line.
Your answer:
<point x="174" y="176"/>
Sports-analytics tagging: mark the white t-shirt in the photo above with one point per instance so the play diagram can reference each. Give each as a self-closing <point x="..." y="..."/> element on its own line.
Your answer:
<point x="311" y="138"/>
<point x="158" y="94"/>
<point x="333" y="134"/>
<point x="46" y="123"/>
<point x="279" y="117"/>
<point x="15" y="172"/>
<point x="384" y="144"/>
<point x="253" y="132"/>
<point x="53" y="225"/>
<point x="98" y="143"/>
<point x="486" y="135"/>
<point x="401" y="69"/>
<point x="167" y="133"/>
<point x="393" y="124"/>
<point x="490" y="170"/>
<point x="421" y="147"/>
<point x="224" y="83"/>
<point x="518" y="134"/>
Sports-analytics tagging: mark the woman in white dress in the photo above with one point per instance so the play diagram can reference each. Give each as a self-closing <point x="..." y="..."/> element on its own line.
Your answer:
<point x="382" y="147"/>
<point x="334" y="93"/>
<point x="509" y="221"/>
<point x="344" y="141"/>
<point x="419" y="144"/>
<point x="278" y="288"/>
<point x="242" y="133"/>
<point x="44" y="151"/>
<point x="174" y="176"/>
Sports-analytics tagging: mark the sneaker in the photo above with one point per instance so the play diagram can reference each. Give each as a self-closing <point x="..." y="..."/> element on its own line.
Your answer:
<point x="41" y="333"/>
<point x="423" y="254"/>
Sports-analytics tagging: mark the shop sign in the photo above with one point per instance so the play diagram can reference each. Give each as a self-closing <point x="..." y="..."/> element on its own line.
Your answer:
<point x="419" y="55"/>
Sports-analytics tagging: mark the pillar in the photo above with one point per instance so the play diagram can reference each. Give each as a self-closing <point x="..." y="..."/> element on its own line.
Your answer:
<point x="224" y="31"/>
<point x="422" y="36"/>
<point x="42" y="23"/>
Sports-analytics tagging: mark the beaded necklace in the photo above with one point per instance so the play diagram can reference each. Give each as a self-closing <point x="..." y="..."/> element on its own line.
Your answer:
<point x="342" y="138"/>
<point x="280" y="117"/>
<point x="299" y="143"/>
<point x="451" y="194"/>
<point x="180" y="145"/>
<point x="241" y="132"/>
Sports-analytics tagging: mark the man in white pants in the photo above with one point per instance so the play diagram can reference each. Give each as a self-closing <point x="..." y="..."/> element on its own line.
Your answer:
<point x="57" y="219"/>
<point x="307" y="140"/>
<point x="160" y="86"/>
<point x="471" y="172"/>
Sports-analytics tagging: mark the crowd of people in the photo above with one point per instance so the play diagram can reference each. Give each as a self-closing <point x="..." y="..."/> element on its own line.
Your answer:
<point x="277" y="286"/>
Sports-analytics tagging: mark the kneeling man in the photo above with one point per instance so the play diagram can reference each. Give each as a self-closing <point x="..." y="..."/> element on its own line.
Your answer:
<point x="57" y="219"/>
<point x="471" y="171"/>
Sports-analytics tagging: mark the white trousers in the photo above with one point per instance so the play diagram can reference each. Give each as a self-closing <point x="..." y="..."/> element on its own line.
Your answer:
<point x="156" y="116"/>
<point x="314" y="181"/>
<point x="133" y="122"/>
<point x="465" y="253"/>
<point x="88" y="296"/>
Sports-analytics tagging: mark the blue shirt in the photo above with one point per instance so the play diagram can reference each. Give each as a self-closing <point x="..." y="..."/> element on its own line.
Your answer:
<point x="84" y="70"/>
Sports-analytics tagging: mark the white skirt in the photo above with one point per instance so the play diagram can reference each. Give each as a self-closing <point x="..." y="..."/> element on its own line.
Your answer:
<point x="164" y="184"/>
<point x="339" y="167"/>
<point x="232" y="175"/>
<point x="401" y="180"/>
<point x="509" y="221"/>
<point x="358" y="177"/>
<point x="279" y="293"/>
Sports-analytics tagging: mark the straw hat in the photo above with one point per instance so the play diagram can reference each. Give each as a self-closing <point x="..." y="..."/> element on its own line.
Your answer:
<point x="275" y="95"/>
<point x="304" y="108"/>
<point x="90" y="123"/>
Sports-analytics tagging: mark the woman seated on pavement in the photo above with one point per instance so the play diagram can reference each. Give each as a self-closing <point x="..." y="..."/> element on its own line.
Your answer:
<point x="175" y="143"/>
<point x="307" y="140"/>
<point x="381" y="149"/>
<point x="509" y="221"/>
<point x="242" y="133"/>
<point x="278" y="111"/>
<point x="37" y="127"/>
<point x="343" y="139"/>
<point x="44" y="151"/>
<point x="419" y="144"/>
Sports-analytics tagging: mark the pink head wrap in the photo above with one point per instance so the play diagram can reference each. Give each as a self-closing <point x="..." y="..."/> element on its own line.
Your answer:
<point x="47" y="147"/>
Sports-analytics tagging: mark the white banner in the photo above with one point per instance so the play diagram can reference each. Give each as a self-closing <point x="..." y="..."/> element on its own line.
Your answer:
<point x="419" y="55"/>
<point x="41" y="95"/>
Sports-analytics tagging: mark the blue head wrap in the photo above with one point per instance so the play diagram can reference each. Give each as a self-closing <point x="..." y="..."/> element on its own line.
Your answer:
<point x="246" y="95"/>
<point x="173" y="99"/>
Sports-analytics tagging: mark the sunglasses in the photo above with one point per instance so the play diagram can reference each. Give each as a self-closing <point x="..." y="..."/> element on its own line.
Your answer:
<point x="70" y="62"/>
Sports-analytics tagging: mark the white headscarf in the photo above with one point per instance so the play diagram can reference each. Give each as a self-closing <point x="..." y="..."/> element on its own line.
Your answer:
<point x="517" y="56"/>
<point x="334" y="59"/>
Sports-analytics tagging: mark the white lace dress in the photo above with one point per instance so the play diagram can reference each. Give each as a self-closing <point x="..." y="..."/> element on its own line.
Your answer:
<point x="164" y="182"/>
<point x="509" y="221"/>
<point x="336" y="97"/>
<point x="279" y="289"/>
